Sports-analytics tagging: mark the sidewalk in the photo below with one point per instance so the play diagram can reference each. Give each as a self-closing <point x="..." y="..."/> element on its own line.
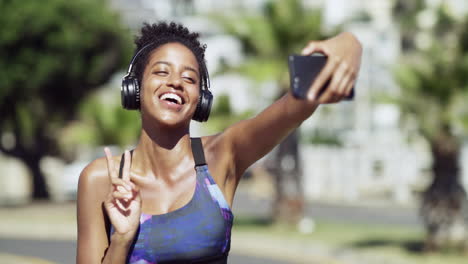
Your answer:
<point x="8" y="258"/>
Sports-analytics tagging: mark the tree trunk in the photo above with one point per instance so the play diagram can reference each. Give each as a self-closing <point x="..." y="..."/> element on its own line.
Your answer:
<point x="444" y="207"/>
<point x="39" y="183"/>
<point x="288" y="206"/>
<point x="31" y="159"/>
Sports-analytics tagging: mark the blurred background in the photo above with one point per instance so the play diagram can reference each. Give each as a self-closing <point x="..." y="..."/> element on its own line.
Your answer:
<point x="380" y="179"/>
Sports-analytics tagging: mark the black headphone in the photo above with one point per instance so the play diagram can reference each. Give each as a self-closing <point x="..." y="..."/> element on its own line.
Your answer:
<point x="130" y="93"/>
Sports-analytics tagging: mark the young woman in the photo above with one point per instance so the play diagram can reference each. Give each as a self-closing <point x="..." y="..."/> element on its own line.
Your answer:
<point x="169" y="200"/>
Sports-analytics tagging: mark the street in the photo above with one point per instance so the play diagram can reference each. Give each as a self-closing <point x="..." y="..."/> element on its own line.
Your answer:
<point x="247" y="204"/>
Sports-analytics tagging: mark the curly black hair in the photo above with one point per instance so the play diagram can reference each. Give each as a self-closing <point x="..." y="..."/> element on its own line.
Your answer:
<point x="161" y="33"/>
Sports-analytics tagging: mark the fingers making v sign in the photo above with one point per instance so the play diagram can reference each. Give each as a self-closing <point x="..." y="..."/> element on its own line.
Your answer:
<point x="123" y="202"/>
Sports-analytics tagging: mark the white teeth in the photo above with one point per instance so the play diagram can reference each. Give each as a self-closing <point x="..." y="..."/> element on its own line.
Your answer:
<point x="172" y="96"/>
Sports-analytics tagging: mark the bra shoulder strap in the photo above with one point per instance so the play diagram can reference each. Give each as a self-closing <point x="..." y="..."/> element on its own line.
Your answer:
<point x="197" y="150"/>
<point x="122" y="161"/>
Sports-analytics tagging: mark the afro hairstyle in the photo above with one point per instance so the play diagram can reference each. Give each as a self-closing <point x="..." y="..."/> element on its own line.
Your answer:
<point x="158" y="34"/>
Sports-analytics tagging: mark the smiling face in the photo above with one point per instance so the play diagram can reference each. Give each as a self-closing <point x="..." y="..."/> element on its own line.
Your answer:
<point x="170" y="85"/>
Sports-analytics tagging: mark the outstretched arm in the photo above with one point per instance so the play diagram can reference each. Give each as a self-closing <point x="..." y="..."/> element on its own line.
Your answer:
<point x="253" y="138"/>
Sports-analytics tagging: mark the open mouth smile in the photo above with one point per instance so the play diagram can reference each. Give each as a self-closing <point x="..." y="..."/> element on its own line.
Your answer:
<point x="172" y="101"/>
<point x="172" y="98"/>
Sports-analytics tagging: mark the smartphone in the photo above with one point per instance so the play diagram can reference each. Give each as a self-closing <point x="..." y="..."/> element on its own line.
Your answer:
<point x="302" y="72"/>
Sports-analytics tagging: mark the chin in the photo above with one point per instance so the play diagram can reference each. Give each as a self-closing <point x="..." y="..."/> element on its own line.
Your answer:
<point x="167" y="116"/>
<point x="169" y="121"/>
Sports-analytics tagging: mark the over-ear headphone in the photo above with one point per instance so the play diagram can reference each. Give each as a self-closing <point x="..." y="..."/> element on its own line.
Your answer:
<point x="130" y="92"/>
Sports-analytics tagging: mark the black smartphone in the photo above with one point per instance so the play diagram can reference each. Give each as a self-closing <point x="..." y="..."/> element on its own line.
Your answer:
<point x="302" y="72"/>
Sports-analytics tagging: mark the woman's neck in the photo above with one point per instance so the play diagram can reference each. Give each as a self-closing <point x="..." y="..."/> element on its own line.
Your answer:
<point x="162" y="152"/>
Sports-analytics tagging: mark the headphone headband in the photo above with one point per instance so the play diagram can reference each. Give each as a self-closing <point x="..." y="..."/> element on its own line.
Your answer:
<point x="132" y="61"/>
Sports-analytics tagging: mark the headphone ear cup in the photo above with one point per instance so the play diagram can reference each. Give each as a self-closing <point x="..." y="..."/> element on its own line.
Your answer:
<point x="205" y="100"/>
<point x="130" y="93"/>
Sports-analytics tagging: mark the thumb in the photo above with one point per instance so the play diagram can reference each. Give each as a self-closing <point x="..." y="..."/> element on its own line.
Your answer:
<point x="312" y="47"/>
<point x="137" y="194"/>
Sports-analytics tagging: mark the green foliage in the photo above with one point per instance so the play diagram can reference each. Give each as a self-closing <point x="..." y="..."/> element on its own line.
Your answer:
<point x="222" y="106"/>
<point x="102" y="121"/>
<point x="434" y="80"/>
<point x="222" y="115"/>
<point x="324" y="138"/>
<point x="52" y="55"/>
<point x="263" y="69"/>
<point x="283" y="28"/>
<point x="61" y="40"/>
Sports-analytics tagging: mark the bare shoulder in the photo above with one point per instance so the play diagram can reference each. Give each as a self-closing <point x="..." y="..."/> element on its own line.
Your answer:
<point x="98" y="168"/>
<point x="95" y="170"/>
<point x="95" y="178"/>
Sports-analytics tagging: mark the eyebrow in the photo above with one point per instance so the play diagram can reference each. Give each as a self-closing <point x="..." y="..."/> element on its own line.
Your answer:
<point x="170" y="64"/>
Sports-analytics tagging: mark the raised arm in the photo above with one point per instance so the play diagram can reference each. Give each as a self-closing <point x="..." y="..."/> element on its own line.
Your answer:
<point x="253" y="138"/>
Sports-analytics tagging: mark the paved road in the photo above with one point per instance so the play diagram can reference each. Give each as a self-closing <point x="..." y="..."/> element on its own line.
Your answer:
<point x="64" y="251"/>
<point x="245" y="204"/>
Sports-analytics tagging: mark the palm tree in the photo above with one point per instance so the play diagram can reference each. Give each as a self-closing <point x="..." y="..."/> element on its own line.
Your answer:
<point x="282" y="28"/>
<point x="434" y="93"/>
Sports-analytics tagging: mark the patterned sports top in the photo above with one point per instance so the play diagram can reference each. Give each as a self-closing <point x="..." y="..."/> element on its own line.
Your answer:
<point x="199" y="232"/>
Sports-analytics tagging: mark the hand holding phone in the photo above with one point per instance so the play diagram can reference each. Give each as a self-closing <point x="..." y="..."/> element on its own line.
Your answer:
<point x="302" y="72"/>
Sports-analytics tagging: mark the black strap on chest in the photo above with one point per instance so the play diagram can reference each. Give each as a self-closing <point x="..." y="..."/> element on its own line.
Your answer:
<point x="122" y="161"/>
<point x="197" y="150"/>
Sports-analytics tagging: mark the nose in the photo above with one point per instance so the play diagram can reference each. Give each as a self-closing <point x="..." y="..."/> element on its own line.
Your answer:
<point x="174" y="81"/>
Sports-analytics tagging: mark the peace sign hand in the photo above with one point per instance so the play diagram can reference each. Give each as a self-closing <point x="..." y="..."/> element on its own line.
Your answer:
<point x="123" y="202"/>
